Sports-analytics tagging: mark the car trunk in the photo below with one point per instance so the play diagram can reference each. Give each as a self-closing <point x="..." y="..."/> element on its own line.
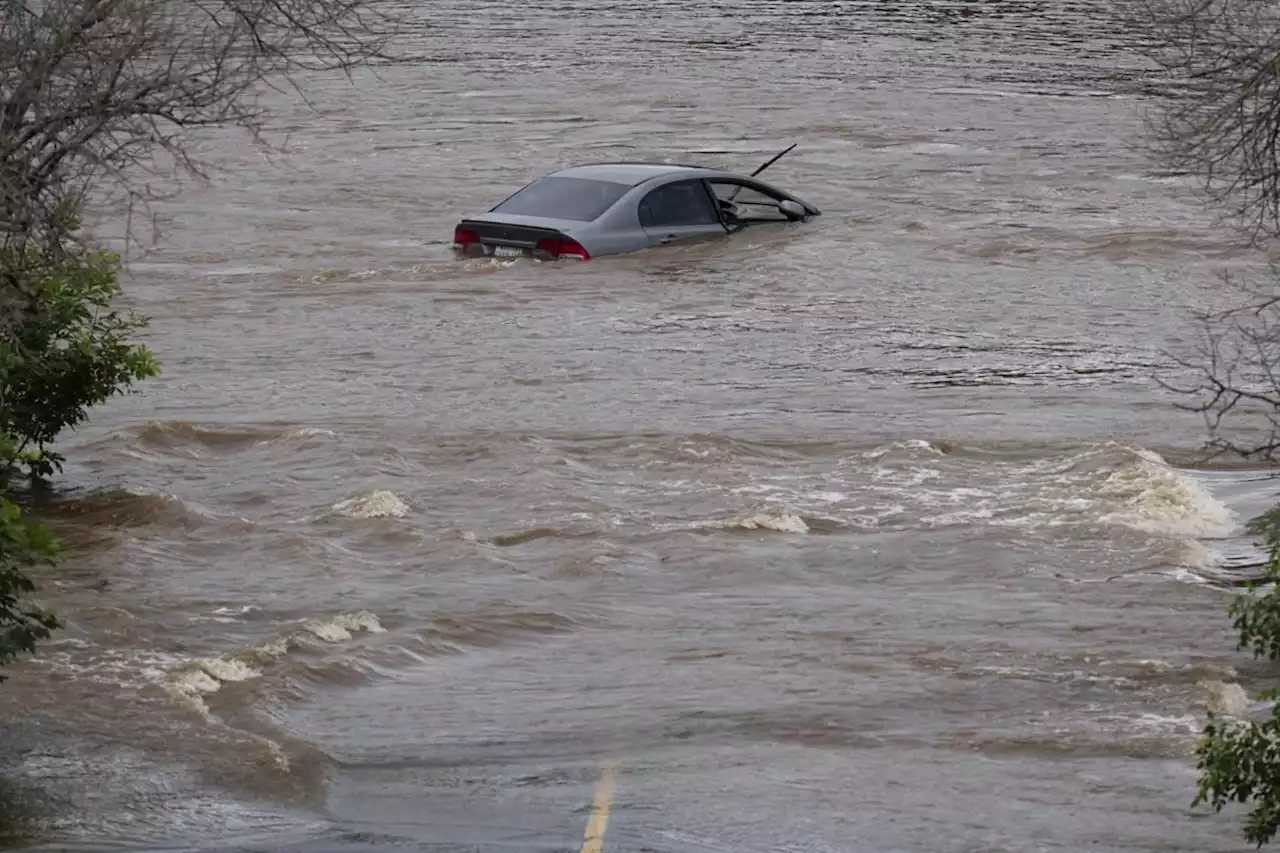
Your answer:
<point x="515" y="236"/>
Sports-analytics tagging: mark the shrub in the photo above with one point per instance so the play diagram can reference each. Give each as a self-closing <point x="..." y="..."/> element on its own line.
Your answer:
<point x="1239" y="760"/>
<point x="71" y="353"/>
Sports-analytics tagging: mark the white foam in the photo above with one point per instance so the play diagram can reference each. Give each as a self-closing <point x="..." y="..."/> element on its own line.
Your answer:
<point x="376" y="504"/>
<point x="1156" y="498"/>
<point x="909" y="444"/>
<point x="190" y="680"/>
<point x="781" y="521"/>
<point x="1121" y="485"/>
<point x="1225" y="698"/>
<point x="339" y="628"/>
<point x="820" y="496"/>
<point x="910" y="478"/>
<point x="235" y="611"/>
<point x="116" y="668"/>
<point x="1181" y="724"/>
<point x="312" y="432"/>
<point x="1192" y="554"/>
<point x="1184" y="575"/>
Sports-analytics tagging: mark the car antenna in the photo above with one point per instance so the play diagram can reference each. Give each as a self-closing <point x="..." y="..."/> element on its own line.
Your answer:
<point x="776" y="158"/>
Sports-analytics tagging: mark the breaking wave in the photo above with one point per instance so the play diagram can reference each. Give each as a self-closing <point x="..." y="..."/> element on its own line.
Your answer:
<point x="1155" y="709"/>
<point x="133" y="508"/>
<point x="1109" y="485"/>
<point x="193" y="680"/>
<point x="783" y="521"/>
<point x="1137" y="488"/>
<point x="644" y="485"/>
<point x="195" y="439"/>
<point x="376" y="504"/>
<point x="935" y="484"/>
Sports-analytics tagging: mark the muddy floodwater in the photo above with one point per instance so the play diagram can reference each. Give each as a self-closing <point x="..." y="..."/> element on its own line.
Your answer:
<point x="871" y="534"/>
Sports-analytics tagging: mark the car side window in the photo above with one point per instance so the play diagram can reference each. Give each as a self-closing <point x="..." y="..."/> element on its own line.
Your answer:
<point x="753" y="205"/>
<point x="681" y="203"/>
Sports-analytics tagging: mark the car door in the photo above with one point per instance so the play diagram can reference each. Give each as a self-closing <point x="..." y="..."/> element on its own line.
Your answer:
<point x="681" y="210"/>
<point x="743" y="204"/>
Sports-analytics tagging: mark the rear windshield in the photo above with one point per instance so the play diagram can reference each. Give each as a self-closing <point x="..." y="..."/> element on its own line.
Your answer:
<point x="564" y="198"/>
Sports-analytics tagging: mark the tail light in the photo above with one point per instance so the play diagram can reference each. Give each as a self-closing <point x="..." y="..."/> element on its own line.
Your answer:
<point x="464" y="237"/>
<point x="563" y="247"/>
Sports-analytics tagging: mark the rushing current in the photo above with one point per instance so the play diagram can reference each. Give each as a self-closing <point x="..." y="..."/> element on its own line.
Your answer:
<point x="872" y="534"/>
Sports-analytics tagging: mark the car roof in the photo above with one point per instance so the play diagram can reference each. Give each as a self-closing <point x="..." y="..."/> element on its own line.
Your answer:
<point x="630" y="174"/>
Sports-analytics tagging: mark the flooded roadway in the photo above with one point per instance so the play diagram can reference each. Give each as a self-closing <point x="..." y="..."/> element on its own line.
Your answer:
<point x="872" y="534"/>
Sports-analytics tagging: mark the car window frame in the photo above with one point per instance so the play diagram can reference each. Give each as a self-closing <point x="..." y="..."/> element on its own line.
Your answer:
<point x="747" y="183"/>
<point x="712" y="201"/>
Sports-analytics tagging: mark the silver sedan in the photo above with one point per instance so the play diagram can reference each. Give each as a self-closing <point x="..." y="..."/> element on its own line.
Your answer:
<point x="610" y="208"/>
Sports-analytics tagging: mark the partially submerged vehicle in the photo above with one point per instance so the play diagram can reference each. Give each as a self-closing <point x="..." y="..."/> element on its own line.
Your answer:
<point x="609" y="208"/>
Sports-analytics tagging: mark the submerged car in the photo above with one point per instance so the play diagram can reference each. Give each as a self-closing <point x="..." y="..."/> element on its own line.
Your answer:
<point x="610" y="208"/>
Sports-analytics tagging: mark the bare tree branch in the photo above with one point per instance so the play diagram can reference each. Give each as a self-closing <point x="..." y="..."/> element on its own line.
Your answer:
<point x="1235" y="374"/>
<point x="1221" y="121"/>
<point x="1218" y="120"/>
<point x="95" y="92"/>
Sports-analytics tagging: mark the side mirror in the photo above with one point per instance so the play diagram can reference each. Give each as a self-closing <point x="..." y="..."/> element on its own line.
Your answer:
<point x="793" y="210"/>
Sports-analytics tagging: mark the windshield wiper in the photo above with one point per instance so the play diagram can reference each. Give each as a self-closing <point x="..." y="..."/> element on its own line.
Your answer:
<point x="776" y="158"/>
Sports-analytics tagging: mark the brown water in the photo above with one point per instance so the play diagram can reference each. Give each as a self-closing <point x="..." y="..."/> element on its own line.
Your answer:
<point x="863" y="535"/>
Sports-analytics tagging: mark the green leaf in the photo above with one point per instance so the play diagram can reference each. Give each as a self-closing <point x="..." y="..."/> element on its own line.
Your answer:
<point x="70" y="354"/>
<point x="1239" y="760"/>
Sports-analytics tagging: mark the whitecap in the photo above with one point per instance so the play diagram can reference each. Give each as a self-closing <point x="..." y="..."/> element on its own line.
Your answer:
<point x="781" y="521"/>
<point x="1156" y="498"/>
<point x="376" y="504"/>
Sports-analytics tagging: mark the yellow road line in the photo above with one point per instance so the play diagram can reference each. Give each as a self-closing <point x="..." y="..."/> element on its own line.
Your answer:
<point x="600" y="810"/>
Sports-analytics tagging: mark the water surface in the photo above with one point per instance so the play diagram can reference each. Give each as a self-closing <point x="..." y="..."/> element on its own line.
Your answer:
<point x="873" y="534"/>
